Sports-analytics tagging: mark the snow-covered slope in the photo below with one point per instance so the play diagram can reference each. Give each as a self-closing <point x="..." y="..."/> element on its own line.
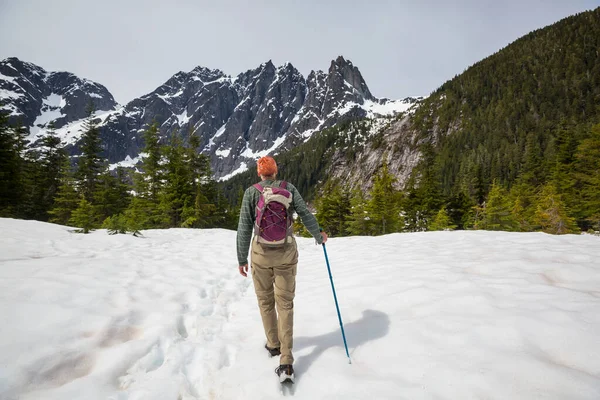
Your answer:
<point x="440" y="315"/>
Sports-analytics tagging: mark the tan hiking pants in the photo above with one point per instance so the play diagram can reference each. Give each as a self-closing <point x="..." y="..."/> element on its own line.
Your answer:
<point x="274" y="276"/>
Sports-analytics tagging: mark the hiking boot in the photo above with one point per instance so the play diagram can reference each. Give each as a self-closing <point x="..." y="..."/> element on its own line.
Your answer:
<point x="285" y="373"/>
<point x="273" y="352"/>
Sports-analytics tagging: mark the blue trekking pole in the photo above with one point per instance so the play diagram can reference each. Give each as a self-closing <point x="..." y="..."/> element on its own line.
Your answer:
<point x="336" y="304"/>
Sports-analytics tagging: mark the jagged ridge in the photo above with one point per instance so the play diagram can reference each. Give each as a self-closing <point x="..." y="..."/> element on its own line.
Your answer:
<point x="237" y="119"/>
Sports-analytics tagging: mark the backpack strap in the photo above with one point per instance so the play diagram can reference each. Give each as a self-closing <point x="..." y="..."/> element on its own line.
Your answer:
<point x="258" y="186"/>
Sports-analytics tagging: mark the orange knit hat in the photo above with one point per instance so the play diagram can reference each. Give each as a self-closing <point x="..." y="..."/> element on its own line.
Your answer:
<point x="266" y="166"/>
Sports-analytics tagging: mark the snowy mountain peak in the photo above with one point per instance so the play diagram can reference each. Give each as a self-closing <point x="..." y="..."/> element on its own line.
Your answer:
<point x="260" y="111"/>
<point x="207" y="75"/>
<point x="37" y="97"/>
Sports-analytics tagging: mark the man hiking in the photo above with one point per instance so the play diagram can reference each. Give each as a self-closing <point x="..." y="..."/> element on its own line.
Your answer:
<point x="266" y="221"/>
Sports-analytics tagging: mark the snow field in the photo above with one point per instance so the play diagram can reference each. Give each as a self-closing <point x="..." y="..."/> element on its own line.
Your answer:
<point x="436" y="315"/>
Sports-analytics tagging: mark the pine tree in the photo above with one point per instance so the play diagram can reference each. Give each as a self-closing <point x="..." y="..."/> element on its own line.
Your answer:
<point x="358" y="222"/>
<point x="45" y="169"/>
<point x="112" y="194"/>
<point x="144" y="210"/>
<point x="198" y="210"/>
<point x="523" y="200"/>
<point x="459" y="209"/>
<point x="90" y="164"/>
<point x="587" y="174"/>
<point x="177" y="191"/>
<point x="67" y="199"/>
<point x="384" y="205"/>
<point x="442" y="221"/>
<point x="12" y="168"/>
<point x="220" y="215"/>
<point x="551" y="213"/>
<point x="497" y="214"/>
<point x="424" y="193"/>
<point x="84" y="217"/>
<point x="333" y="209"/>
<point x="151" y="164"/>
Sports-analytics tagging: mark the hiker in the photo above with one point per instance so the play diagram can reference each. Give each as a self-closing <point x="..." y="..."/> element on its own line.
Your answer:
<point x="274" y="256"/>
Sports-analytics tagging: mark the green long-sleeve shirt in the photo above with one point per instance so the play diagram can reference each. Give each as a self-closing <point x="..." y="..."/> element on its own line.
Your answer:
<point x="247" y="214"/>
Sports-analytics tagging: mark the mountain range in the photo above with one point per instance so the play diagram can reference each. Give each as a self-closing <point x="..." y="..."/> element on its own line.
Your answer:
<point x="238" y="119"/>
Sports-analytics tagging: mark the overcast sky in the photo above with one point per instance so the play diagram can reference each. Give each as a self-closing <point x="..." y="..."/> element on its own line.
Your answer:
<point x="402" y="48"/>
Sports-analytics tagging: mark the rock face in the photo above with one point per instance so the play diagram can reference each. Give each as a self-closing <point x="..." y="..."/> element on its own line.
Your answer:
<point x="260" y="111"/>
<point x="395" y="145"/>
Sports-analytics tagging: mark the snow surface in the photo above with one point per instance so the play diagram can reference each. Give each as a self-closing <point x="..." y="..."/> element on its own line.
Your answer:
<point x="436" y="315"/>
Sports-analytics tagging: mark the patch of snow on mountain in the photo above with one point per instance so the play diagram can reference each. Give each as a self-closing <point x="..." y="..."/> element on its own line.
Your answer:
<point x="51" y="111"/>
<point x="223" y="153"/>
<point x="243" y="167"/>
<point x="211" y="141"/>
<point x="70" y="133"/>
<point x="127" y="162"/>
<point x="182" y="118"/>
<point x="248" y="153"/>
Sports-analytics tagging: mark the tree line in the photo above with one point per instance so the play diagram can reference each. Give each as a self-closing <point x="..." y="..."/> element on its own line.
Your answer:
<point x="171" y="187"/>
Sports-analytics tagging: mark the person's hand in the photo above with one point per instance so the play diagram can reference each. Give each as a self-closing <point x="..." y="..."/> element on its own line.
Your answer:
<point x="324" y="237"/>
<point x="243" y="270"/>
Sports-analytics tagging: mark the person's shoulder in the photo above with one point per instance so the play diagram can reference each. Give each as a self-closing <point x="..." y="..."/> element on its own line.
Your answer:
<point x="251" y="189"/>
<point x="290" y="186"/>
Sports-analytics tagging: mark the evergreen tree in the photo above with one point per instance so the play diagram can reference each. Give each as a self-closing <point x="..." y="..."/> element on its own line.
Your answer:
<point x="523" y="200"/>
<point x="12" y="166"/>
<point x="333" y="209"/>
<point x="151" y="183"/>
<point x="221" y="215"/>
<point x="198" y="210"/>
<point x="424" y="195"/>
<point x="533" y="172"/>
<point x="90" y="164"/>
<point x="587" y="175"/>
<point x="45" y="169"/>
<point x="459" y="209"/>
<point x="177" y="191"/>
<point x="66" y="199"/>
<point x="358" y="222"/>
<point x="144" y="211"/>
<point x="497" y="213"/>
<point x="551" y="213"/>
<point x="442" y="221"/>
<point x="384" y="205"/>
<point x="84" y="217"/>
<point x="112" y="194"/>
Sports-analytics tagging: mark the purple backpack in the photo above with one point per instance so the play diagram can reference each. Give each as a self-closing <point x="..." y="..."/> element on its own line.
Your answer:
<point x="273" y="223"/>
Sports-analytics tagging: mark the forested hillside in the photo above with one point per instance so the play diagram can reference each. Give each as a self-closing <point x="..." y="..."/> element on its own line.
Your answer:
<point x="522" y="118"/>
